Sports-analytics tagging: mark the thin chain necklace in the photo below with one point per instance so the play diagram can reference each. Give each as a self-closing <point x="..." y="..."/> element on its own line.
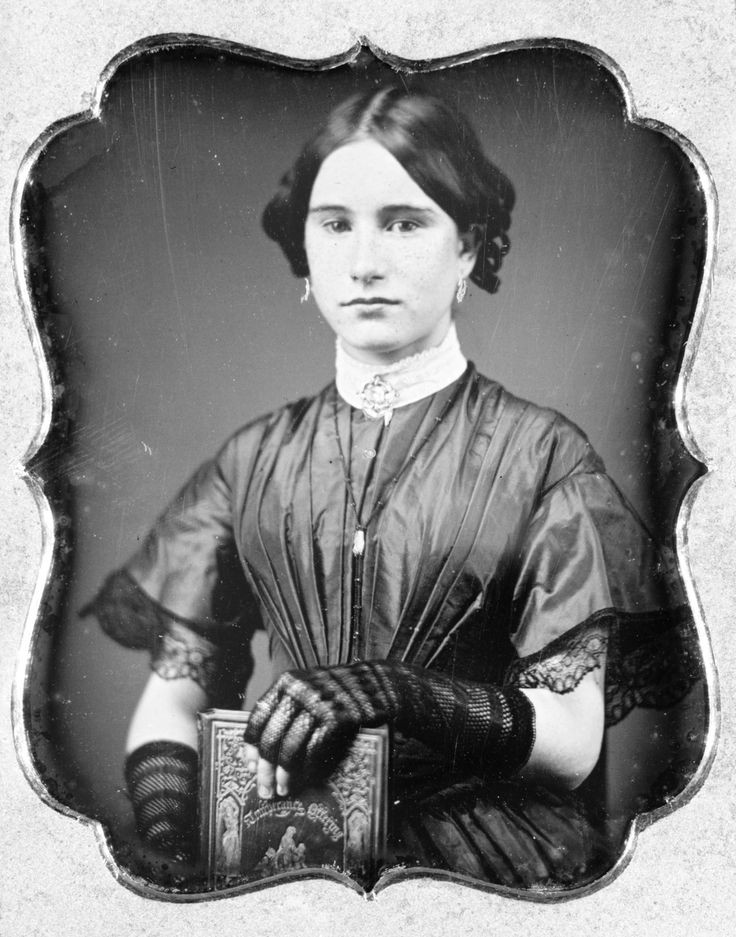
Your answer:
<point x="380" y="502"/>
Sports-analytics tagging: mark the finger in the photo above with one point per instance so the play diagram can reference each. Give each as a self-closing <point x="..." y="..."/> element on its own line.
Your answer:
<point x="366" y="695"/>
<point x="250" y="757"/>
<point x="311" y="692"/>
<point x="283" y="781"/>
<point x="295" y="740"/>
<point x="347" y="696"/>
<point x="272" y="734"/>
<point x="261" y="714"/>
<point x="265" y="777"/>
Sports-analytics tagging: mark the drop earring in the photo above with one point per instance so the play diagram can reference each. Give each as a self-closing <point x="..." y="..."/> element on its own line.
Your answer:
<point x="462" y="289"/>
<point x="307" y="290"/>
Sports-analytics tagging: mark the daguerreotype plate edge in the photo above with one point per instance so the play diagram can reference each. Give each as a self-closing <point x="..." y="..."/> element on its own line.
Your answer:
<point x="47" y="521"/>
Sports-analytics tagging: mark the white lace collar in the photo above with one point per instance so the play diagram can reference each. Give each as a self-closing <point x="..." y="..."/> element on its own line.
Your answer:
<point x="379" y="390"/>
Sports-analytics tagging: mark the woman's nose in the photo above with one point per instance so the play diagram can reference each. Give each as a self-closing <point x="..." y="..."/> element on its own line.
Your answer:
<point x="366" y="263"/>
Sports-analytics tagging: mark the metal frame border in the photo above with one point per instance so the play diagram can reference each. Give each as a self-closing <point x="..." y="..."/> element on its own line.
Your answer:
<point x="156" y="43"/>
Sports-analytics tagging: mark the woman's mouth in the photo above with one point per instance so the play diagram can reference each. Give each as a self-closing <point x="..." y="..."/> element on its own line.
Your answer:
<point x="374" y="307"/>
<point x="371" y="301"/>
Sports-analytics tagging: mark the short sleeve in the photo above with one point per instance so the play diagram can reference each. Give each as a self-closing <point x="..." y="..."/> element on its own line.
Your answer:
<point x="183" y="594"/>
<point x="188" y="563"/>
<point x="594" y="589"/>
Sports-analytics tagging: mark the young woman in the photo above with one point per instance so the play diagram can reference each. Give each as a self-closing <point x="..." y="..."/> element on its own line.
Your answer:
<point x="423" y="548"/>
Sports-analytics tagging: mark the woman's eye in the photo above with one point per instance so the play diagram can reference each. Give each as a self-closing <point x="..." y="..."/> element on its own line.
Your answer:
<point x="337" y="225"/>
<point x="404" y="226"/>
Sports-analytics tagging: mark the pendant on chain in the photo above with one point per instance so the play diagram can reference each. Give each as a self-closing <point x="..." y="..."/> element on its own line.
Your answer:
<point x="381" y="407"/>
<point x="358" y="541"/>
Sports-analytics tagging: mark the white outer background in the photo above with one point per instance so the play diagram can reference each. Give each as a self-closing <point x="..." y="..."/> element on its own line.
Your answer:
<point x="679" y="57"/>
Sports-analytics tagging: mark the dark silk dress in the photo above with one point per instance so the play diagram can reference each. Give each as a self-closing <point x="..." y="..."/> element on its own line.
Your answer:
<point x="497" y="550"/>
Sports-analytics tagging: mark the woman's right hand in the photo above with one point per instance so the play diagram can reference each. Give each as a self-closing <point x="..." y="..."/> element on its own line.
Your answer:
<point x="271" y="779"/>
<point x="304" y="725"/>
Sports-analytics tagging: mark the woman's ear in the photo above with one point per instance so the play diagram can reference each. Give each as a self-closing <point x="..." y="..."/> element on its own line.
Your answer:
<point x="470" y="242"/>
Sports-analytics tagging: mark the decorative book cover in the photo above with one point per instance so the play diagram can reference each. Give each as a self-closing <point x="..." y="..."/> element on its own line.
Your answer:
<point x="335" y="827"/>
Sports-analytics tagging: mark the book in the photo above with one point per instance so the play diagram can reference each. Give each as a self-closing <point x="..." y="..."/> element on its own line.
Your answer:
<point x="336" y="828"/>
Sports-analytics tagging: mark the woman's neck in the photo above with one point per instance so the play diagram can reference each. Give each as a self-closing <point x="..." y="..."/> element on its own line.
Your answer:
<point x="378" y="389"/>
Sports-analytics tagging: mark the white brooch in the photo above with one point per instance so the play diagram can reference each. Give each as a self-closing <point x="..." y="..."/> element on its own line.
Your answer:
<point x="378" y="398"/>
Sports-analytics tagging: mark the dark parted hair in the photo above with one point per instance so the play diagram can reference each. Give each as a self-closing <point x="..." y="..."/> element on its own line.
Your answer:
<point x="434" y="144"/>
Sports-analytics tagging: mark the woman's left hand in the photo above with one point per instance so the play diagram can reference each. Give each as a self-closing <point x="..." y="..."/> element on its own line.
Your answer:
<point x="306" y="722"/>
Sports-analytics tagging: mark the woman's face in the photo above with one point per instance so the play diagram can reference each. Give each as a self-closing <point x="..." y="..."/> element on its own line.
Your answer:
<point x="384" y="258"/>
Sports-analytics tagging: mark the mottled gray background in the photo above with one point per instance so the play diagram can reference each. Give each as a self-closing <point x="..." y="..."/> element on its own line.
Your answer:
<point x="678" y="61"/>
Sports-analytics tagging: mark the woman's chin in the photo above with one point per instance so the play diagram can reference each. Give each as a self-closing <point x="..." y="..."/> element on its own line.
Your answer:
<point x="382" y="348"/>
<point x="380" y="354"/>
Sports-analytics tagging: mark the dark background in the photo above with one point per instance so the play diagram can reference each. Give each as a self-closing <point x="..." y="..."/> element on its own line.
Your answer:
<point x="170" y="320"/>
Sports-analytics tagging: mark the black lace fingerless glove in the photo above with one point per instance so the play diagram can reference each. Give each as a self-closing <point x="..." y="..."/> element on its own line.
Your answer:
<point x="486" y="728"/>
<point x="307" y="720"/>
<point x="162" y="783"/>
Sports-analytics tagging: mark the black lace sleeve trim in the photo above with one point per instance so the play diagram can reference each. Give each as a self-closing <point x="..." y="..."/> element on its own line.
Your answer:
<point x="651" y="659"/>
<point x="179" y="647"/>
<point x="651" y="663"/>
<point x="129" y="615"/>
<point x="181" y="653"/>
<point x="565" y="661"/>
